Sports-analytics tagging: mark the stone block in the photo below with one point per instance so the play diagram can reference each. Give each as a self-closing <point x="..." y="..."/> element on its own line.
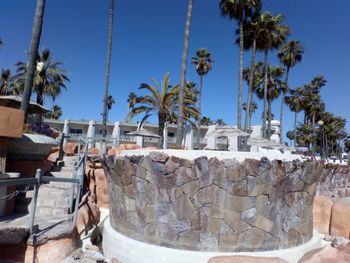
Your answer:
<point x="189" y="240"/>
<point x="11" y="122"/>
<point x="227" y="243"/>
<point x="340" y="223"/>
<point x="183" y="207"/>
<point x="322" y="211"/>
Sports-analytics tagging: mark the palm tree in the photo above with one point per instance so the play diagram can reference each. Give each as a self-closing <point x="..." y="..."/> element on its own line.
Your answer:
<point x="220" y="122"/>
<point x="206" y="121"/>
<point x="49" y="77"/>
<point x="203" y="63"/>
<point x="55" y="113"/>
<point x="33" y="53"/>
<point x="274" y="88"/>
<point x="132" y="99"/>
<point x="305" y="135"/>
<point x="239" y="10"/>
<point x="180" y="122"/>
<point x="162" y="100"/>
<point x="106" y="102"/>
<point x="274" y="35"/>
<point x="295" y="103"/>
<point x="253" y="107"/>
<point x="289" y="54"/>
<point x="6" y="82"/>
<point x="254" y="30"/>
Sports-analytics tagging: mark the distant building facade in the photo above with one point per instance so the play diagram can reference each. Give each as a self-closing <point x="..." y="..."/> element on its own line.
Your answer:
<point x="117" y="133"/>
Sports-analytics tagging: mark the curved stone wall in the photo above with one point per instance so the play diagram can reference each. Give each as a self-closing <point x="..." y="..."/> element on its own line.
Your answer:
<point x="212" y="205"/>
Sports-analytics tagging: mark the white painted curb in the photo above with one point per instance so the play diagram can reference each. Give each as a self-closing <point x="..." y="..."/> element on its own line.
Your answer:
<point x="129" y="250"/>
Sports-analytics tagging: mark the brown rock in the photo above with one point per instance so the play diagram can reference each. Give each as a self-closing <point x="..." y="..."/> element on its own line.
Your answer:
<point x="53" y="157"/>
<point x="340" y="223"/>
<point x="246" y="259"/>
<point x="112" y="152"/>
<point x="322" y="210"/>
<point x="252" y="167"/>
<point x="327" y="254"/>
<point x="27" y="168"/>
<point x="88" y="215"/>
<point x="52" y="251"/>
<point x="98" y="185"/>
<point x="11" y="122"/>
<point x="70" y="148"/>
<point x="183" y="207"/>
<point x="93" y="151"/>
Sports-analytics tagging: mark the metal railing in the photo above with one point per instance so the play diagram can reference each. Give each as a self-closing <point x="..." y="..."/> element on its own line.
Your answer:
<point x="77" y="178"/>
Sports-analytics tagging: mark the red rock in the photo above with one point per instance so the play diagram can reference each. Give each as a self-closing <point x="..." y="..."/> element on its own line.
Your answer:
<point x="322" y="210"/>
<point x="55" y="149"/>
<point x="53" y="157"/>
<point x="252" y="167"/>
<point x="327" y="254"/>
<point x="52" y="251"/>
<point x="88" y="215"/>
<point x="98" y="185"/>
<point x="28" y="168"/>
<point x="129" y="146"/>
<point x="54" y="133"/>
<point x="112" y="152"/>
<point x="246" y="259"/>
<point x="70" y="148"/>
<point x="93" y="151"/>
<point x="340" y="220"/>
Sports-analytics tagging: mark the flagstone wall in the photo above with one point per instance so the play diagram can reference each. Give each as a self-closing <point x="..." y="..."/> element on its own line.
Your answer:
<point x="211" y="204"/>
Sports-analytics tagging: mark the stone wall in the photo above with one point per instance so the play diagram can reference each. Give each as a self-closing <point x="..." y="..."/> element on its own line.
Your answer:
<point x="335" y="182"/>
<point x="211" y="204"/>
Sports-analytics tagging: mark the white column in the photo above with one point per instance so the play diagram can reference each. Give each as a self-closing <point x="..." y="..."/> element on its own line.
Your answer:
<point x="116" y="134"/>
<point x="66" y="130"/>
<point x="188" y="137"/>
<point x="211" y="141"/>
<point x="91" y="133"/>
<point x="139" y="141"/>
<point x="165" y="136"/>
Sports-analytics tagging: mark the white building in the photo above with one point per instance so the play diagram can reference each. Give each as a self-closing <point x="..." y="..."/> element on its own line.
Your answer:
<point x="117" y="133"/>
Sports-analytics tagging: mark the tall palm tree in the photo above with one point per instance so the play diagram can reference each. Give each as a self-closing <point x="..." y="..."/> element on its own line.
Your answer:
<point x="239" y="10"/>
<point x="162" y="100"/>
<point x="33" y="53"/>
<point x="203" y="64"/>
<point x="295" y="103"/>
<point x="49" y="78"/>
<point x="275" y="86"/>
<point x="273" y="36"/>
<point x="289" y="54"/>
<point x="180" y="122"/>
<point x="5" y="82"/>
<point x="206" y="121"/>
<point x="55" y="113"/>
<point x="253" y="107"/>
<point x="106" y="106"/>
<point x="254" y="30"/>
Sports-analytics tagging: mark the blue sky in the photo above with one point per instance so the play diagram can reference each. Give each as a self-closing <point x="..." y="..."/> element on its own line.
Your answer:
<point x="148" y="41"/>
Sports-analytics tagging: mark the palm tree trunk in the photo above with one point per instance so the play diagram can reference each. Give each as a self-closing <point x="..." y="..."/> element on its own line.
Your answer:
<point x="282" y="104"/>
<point x="240" y="84"/>
<point x="250" y="89"/>
<point x="108" y="67"/>
<point x="161" y="124"/>
<point x="199" y="107"/>
<point x="265" y="93"/>
<point x="269" y="119"/>
<point x="180" y="122"/>
<point x="36" y="34"/>
<point x="313" y="135"/>
<point x="295" y="128"/>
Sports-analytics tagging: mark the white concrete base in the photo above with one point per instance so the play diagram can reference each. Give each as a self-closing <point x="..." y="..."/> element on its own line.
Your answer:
<point x="129" y="250"/>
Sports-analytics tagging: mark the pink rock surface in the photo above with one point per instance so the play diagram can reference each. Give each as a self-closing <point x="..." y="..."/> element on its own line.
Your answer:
<point x="322" y="210"/>
<point x="327" y="254"/>
<point x="340" y="221"/>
